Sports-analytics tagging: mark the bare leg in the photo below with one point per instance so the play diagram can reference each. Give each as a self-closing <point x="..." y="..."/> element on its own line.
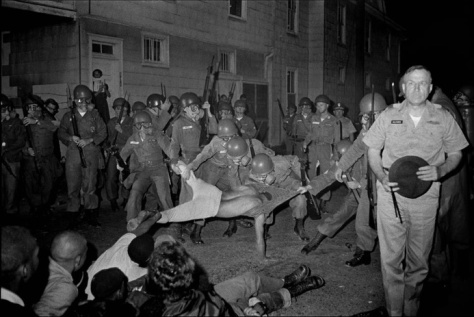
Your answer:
<point x="259" y="235"/>
<point x="238" y="192"/>
<point x="237" y="206"/>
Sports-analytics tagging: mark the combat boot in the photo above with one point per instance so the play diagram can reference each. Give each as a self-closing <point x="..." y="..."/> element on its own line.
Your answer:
<point x="266" y="234"/>
<point x="360" y="257"/>
<point x="196" y="234"/>
<point x="310" y="283"/>
<point x="313" y="244"/>
<point x="299" y="230"/>
<point x="91" y="218"/>
<point x="231" y="229"/>
<point x="296" y="276"/>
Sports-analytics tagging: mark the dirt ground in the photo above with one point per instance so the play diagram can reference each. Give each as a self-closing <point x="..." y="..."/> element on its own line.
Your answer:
<point x="347" y="290"/>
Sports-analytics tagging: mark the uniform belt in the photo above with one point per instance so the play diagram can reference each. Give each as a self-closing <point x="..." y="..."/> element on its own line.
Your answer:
<point x="297" y="139"/>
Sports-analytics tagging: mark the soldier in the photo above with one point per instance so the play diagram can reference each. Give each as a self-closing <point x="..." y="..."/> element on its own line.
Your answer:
<point x="345" y="127"/>
<point x="39" y="162"/>
<point x="301" y="126"/>
<point x="288" y="127"/>
<point x="13" y="141"/>
<point x="148" y="145"/>
<point x="248" y="129"/>
<point x="82" y="147"/>
<point x="118" y="134"/>
<point x="321" y="140"/>
<point x="137" y="106"/>
<point x="158" y="106"/>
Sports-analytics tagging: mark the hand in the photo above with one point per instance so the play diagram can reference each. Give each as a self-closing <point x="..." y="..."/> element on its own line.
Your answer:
<point x="303" y="189"/>
<point x="31" y="152"/>
<point x="428" y="173"/>
<point x="250" y="311"/>
<point x="118" y="127"/>
<point x="175" y="169"/>
<point x="242" y="131"/>
<point x="304" y="147"/>
<point x="206" y="105"/>
<point x="27" y="121"/>
<point x="338" y="175"/>
<point x="119" y="167"/>
<point x="75" y="139"/>
<point x="389" y="186"/>
<point x="166" y="105"/>
<point x="83" y="142"/>
<point x="353" y="184"/>
<point x="56" y="123"/>
<point x="186" y="172"/>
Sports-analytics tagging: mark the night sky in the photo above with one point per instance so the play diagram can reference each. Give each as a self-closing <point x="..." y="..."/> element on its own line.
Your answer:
<point x="440" y="35"/>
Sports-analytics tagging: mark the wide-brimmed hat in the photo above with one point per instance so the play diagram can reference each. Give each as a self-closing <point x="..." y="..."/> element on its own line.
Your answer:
<point x="403" y="171"/>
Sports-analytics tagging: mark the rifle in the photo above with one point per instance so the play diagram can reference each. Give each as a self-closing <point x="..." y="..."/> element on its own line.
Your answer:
<point x="212" y="96"/>
<point x="6" y="164"/>
<point x="29" y="137"/>
<point x="75" y="128"/>
<point x="231" y="92"/>
<point x="281" y="110"/>
<point x="163" y="90"/>
<point x="313" y="209"/>
<point x="205" y="96"/>
<point x="113" y="151"/>
<point x="370" y="192"/>
<point x="394" y="95"/>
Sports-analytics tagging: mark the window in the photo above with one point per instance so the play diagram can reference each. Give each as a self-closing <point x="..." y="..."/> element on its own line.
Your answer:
<point x="102" y="48"/>
<point x="292" y="26"/>
<point x="291" y="86"/>
<point x="368" y="80"/>
<point x="368" y="37"/>
<point x="342" y="75"/>
<point x="238" y="8"/>
<point x="155" y="50"/>
<point x="389" y="46"/>
<point x="341" y="23"/>
<point x="227" y="61"/>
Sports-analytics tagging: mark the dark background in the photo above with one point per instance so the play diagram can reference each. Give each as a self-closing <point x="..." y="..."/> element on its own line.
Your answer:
<point x="440" y="36"/>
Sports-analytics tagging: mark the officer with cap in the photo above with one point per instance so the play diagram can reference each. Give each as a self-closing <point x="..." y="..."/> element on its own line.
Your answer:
<point x="118" y="134"/>
<point x="82" y="180"/>
<point x="301" y="126"/>
<point x="345" y="127"/>
<point x="248" y="130"/>
<point x="288" y="127"/>
<point x="415" y="127"/>
<point x="13" y="142"/>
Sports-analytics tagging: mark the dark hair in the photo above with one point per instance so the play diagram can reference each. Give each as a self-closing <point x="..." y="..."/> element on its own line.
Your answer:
<point x="51" y="101"/>
<point x="417" y="67"/>
<point x="97" y="70"/>
<point x="171" y="270"/>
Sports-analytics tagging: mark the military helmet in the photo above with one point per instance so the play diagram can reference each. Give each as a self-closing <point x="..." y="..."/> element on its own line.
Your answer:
<point x="120" y="102"/>
<point x="138" y="105"/>
<point x="322" y="98"/>
<point x="5" y="101"/>
<point x="189" y="99"/>
<point x="305" y="101"/>
<point x="224" y="105"/>
<point x="240" y="103"/>
<point x="292" y="106"/>
<point x="82" y="92"/>
<point x="142" y="117"/>
<point x="174" y="100"/>
<point x="261" y="164"/>
<point x="155" y="100"/>
<point x="342" y="146"/>
<point x="226" y="128"/>
<point x="365" y="104"/>
<point x="237" y="147"/>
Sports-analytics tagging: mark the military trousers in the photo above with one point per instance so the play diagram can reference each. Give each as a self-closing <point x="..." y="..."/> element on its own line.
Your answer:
<point x="10" y="187"/>
<point x="319" y="154"/>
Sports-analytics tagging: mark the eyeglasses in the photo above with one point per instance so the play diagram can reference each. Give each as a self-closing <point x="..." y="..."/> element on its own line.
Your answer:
<point x="194" y="108"/>
<point x="82" y="100"/>
<point x="33" y="107"/>
<point x="52" y="109"/>
<point x="145" y="125"/>
<point x="422" y="84"/>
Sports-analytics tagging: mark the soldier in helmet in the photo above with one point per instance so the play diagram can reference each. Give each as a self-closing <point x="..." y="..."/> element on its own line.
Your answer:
<point x="301" y="126"/>
<point x="82" y="181"/>
<point x="288" y="127"/>
<point x="118" y="134"/>
<point x="136" y="107"/>
<point x="345" y="127"/>
<point x="13" y="141"/>
<point x="320" y="140"/>
<point x="248" y="130"/>
<point x="39" y="162"/>
<point x="157" y="106"/>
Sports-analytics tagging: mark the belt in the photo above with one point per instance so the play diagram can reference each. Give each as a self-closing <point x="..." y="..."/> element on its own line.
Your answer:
<point x="297" y="139"/>
<point x="150" y="163"/>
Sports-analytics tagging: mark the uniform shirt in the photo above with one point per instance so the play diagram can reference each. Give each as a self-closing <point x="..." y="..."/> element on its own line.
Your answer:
<point x="436" y="134"/>
<point x="43" y="136"/>
<point x="321" y="131"/>
<point x="344" y="128"/>
<point x="185" y="138"/>
<point x="301" y="126"/>
<point x="14" y="137"/>
<point x="286" y="171"/>
<point x="215" y="150"/>
<point x="248" y="126"/>
<point x="89" y="126"/>
<point x="127" y="128"/>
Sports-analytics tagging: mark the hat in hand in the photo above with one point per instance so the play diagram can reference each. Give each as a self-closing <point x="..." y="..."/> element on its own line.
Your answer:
<point x="141" y="248"/>
<point x="403" y="171"/>
<point x="106" y="282"/>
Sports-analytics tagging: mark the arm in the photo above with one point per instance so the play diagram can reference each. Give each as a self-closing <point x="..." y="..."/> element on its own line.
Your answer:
<point x="207" y="152"/>
<point x="47" y="124"/>
<point x="213" y="125"/>
<point x="127" y="149"/>
<point x="101" y="132"/>
<point x="164" y="142"/>
<point x="434" y="173"/>
<point x="375" y="162"/>
<point x="175" y="144"/>
<point x="63" y="133"/>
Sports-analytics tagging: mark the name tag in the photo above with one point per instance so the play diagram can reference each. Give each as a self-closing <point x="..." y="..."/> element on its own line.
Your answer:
<point x="315" y="122"/>
<point x="188" y="127"/>
<point x="397" y="121"/>
<point x="223" y="151"/>
<point x="134" y="142"/>
<point x="433" y="122"/>
<point x="299" y="120"/>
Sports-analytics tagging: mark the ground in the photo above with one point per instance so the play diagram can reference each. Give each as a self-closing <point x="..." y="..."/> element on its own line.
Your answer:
<point x="347" y="290"/>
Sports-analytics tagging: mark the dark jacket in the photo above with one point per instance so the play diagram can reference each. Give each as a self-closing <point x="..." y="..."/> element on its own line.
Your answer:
<point x="14" y="137"/>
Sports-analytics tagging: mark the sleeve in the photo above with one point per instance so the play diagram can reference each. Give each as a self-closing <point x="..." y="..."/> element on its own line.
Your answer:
<point x="57" y="301"/>
<point x="295" y="164"/>
<point x="164" y="142"/>
<point x="127" y="149"/>
<point x="175" y="145"/>
<point x="111" y="130"/>
<point x="101" y="133"/>
<point x="163" y="120"/>
<point x="350" y="127"/>
<point x="63" y="132"/>
<point x="357" y="149"/>
<point x="375" y="137"/>
<point x="213" y="125"/>
<point x="454" y="139"/>
<point x="251" y="131"/>
<point x="207" y="152"/>
<point x="260" y="148"/>
<point x="47" y="124"/>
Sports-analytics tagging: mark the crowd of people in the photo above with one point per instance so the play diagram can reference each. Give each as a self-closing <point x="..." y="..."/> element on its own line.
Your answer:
<point x="182" y="161"/>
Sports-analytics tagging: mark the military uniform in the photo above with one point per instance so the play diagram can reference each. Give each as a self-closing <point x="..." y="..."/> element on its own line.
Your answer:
<point x="82" y="182"/>
<point x="395" y="132"/>
<point x="345" y="128"/>
<point x="247" y="125"/>
<point x="300" y="129"/>
<point x="288" y="127"/>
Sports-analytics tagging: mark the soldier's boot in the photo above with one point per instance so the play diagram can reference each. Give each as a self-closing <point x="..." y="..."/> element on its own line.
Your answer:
<point x="308" y="284"/>
<point x="244" y="223"/>
<point x="92" y="218"/>
<point x="360" y="257"/>
<point x="299" y="230"/>
<point x="296" y="276"/>
<point x="231" y="229"/>
<point x="196" y="234"/>
<point x="113" y="205"/>
<point x="313" y="244"/>
<point x="176" y="231"/>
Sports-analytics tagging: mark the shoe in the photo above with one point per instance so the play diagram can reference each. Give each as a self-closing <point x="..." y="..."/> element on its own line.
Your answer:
<point x="308" y="284"/>
<point x="244" y="223"/>
<point x="266" y="234"/>
<point x="313" y="244"/>
<point x="91" y="218"/>
<point x="231" y="229"/>
<point x="323" y="206"/>
<point x="196" y="234"/>
<point x="360" y="257"/>
<point x="299" y="230"/>
<point x="377" y="312"/>
<point x="296" y="276"/>
<point x="114" y="206"/>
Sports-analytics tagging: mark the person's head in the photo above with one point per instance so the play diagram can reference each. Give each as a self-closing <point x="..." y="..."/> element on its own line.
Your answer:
<point x="5" y="106"/>
<point x="417" y="84"/>
<point x="137" y="106"/>
<point x="223" y="98"/>
<point x="240" y="106"/>
<point x="225" y="110"/>
<point x="51" y="106"/>
<point x="261" y="169"/>
<point x="464" y="95"/>
<point x="306" y="106"/>
<point x="140" y="249"/>
<point x="69" y="249"/>
<point x="142" y="122"/>
<point x="322" y="103"/>
<point x="226" y="129"/>
<point x="19" y="257"/>
<point x="82" y="97"/>
<point x="237" y="150"/>
<point x="190" y="104"/>
<point x="109" y="285"/>
<point x="154" y="102"/>
<point x="369" y="109"/>
<point x="32" y="104"/>
<point x="342" y="146"/>
<point x="243" y="97"/>
<point x="291" y="109"/>
<point x="97" y="73"/>
<point x="339" y="110"/>
<point x="175" y="105"/>
<point x="171" y="270"/>
<point x="120" y="103"/>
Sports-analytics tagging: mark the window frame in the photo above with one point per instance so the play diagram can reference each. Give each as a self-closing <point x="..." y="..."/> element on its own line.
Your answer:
<point x="294" y="16"/>
<point x="341" y="23"/>
<point x="243" y="10"/>
<point x="289" y="93"/>
<point x="164" y="50"/>
<point x="232" y="54"/>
